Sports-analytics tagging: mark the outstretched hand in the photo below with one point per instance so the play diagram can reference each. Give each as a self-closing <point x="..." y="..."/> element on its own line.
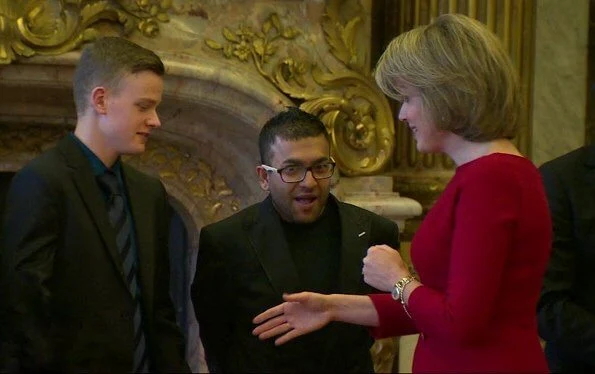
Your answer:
<point x="300" y="314"/>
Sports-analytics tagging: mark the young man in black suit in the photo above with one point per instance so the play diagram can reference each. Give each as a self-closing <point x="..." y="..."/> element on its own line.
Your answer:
<point x="299" y="238"/>
<point x="85" y="237"/>
<point x="566" y="308"/>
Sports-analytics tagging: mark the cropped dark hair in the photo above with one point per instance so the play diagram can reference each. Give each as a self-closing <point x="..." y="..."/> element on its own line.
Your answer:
<point x="291" y="124"/>
<point x="105" y="62"/>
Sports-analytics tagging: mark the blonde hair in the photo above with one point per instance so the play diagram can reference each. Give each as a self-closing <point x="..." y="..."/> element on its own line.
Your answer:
<point x="467" y="81"/>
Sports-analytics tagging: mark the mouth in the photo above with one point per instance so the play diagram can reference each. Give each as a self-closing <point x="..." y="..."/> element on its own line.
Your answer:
<point x="144" y="134"/>
<point x="305" y="201"/>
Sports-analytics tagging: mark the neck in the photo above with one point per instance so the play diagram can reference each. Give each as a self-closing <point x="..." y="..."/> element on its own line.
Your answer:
<point x="87" y="131"/>
<point x="463" y="151"/>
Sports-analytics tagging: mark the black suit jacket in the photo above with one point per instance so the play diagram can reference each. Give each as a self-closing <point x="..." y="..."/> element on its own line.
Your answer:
<point x="244" y="266"/>
<point x="567" y="304"/>
<point x="68" y="307"/>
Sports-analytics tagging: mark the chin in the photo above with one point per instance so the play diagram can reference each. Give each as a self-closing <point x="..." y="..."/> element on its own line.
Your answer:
<point x="422" y="149"/>
<point x="301" y="218"/>
<point x="136" y="149"/>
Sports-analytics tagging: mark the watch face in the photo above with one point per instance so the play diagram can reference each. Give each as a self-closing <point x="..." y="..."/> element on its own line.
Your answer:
<point x="395" y="293"/>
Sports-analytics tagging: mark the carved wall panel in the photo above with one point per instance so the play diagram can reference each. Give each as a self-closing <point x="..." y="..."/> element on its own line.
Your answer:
<point x="51" y="27"/>
<point x="342" y="93"/>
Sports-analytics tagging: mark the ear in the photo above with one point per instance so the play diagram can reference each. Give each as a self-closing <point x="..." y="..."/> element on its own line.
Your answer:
<point x="99" y="100"/>
<point x="263" y="178"/>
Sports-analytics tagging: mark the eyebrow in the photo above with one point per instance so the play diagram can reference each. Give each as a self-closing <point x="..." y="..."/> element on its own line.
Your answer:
<point x="293" y="161"/>
<point x="146" y="101"/>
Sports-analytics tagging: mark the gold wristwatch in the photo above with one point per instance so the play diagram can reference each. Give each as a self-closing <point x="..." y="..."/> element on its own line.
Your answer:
<point x="397" y="291"/>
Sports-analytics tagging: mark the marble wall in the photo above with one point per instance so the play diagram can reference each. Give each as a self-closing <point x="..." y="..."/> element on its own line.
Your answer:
<point x="560" y="78"/>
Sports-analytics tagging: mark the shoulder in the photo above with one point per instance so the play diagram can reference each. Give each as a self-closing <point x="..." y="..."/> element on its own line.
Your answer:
<point x="567" y="174"/>
<point x="135" y="178"/>
<point x="48" y="167"/>
<point x="358" y="211"/>
<point x="39" y="184"/>
<point x="568" y="163"/>
<point x="243" y="218"/>
<point x="132" y="171"/>
<point x="361" y="214"/>
<point x="498" y="171"/>
<point x="502" y="182"/>
<point x="51" y="157"/>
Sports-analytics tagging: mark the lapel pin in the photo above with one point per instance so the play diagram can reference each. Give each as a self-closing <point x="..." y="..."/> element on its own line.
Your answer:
<point x="361" y="234"/>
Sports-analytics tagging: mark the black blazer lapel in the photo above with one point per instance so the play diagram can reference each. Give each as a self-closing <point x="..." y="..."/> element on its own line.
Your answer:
<point x="268" y="241"/>
<point x="84" y="180"/>
<point x="355" y="240"/>
<point x="141" y="206"/>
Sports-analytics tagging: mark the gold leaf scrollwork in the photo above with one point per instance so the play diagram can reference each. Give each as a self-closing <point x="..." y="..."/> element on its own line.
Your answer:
<point x="260" y="46"/>
<point x="28" y="140"/>
<point x="355" y="112"/>
<point x="51" y="27"/>
<point x="215" y="198"/>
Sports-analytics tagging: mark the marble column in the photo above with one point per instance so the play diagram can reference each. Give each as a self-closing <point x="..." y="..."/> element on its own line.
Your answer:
<point x="559" y="78"/>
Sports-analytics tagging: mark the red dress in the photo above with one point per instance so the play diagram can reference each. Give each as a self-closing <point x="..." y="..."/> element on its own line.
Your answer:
<point x="480" y="254"/>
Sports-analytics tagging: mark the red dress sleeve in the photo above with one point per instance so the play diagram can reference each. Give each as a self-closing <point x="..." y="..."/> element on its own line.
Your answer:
<point x="392" y="317"/>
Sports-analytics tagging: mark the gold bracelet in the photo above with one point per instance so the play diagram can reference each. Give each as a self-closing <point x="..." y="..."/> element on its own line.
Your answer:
<point x="403" y="298"/>
<point x="398" y="289"/>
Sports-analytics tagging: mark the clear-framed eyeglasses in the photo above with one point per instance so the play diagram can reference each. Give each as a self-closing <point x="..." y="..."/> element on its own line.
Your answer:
<point x="296" y="173"/>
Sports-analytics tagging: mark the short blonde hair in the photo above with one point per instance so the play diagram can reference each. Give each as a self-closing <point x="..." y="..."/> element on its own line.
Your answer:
<point x="106" y="62"/>
<point x="467" y="81"/>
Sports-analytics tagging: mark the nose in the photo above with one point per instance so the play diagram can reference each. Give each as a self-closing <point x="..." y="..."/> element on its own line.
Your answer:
<point x="154" y="121"/>
<point x="403" y="113"/>
<point x="309" y="180"/>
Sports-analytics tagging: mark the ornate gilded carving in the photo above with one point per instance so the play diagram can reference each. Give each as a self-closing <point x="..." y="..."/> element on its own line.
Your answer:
<point x="385" y="354"/>
<point x="195" y="177"/>
<point x="30" y="140"/>
<point x="52" y="27"/>
<point x="210" y="191"/>
<point x="355" y="112"/>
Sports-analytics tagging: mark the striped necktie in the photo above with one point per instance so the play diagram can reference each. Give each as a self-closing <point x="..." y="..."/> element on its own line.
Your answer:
<point x="121" y="222"/>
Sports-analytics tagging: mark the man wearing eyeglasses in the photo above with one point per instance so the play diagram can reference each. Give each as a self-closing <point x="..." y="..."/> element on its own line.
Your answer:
<point x="300" y="238"/>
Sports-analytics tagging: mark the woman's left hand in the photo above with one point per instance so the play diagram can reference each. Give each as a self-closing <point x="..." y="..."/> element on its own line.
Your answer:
<point x="300" y="314"/>
<point x="383" y="267"/>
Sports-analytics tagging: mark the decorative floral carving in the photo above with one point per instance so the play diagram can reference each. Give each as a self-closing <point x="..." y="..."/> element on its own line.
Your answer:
<point x="210" y="191"/>
<point x="30" y="140"/>
<point x="258" y="45"/>
<point x="355" y="112"/>
<point x="51" y="27"/>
